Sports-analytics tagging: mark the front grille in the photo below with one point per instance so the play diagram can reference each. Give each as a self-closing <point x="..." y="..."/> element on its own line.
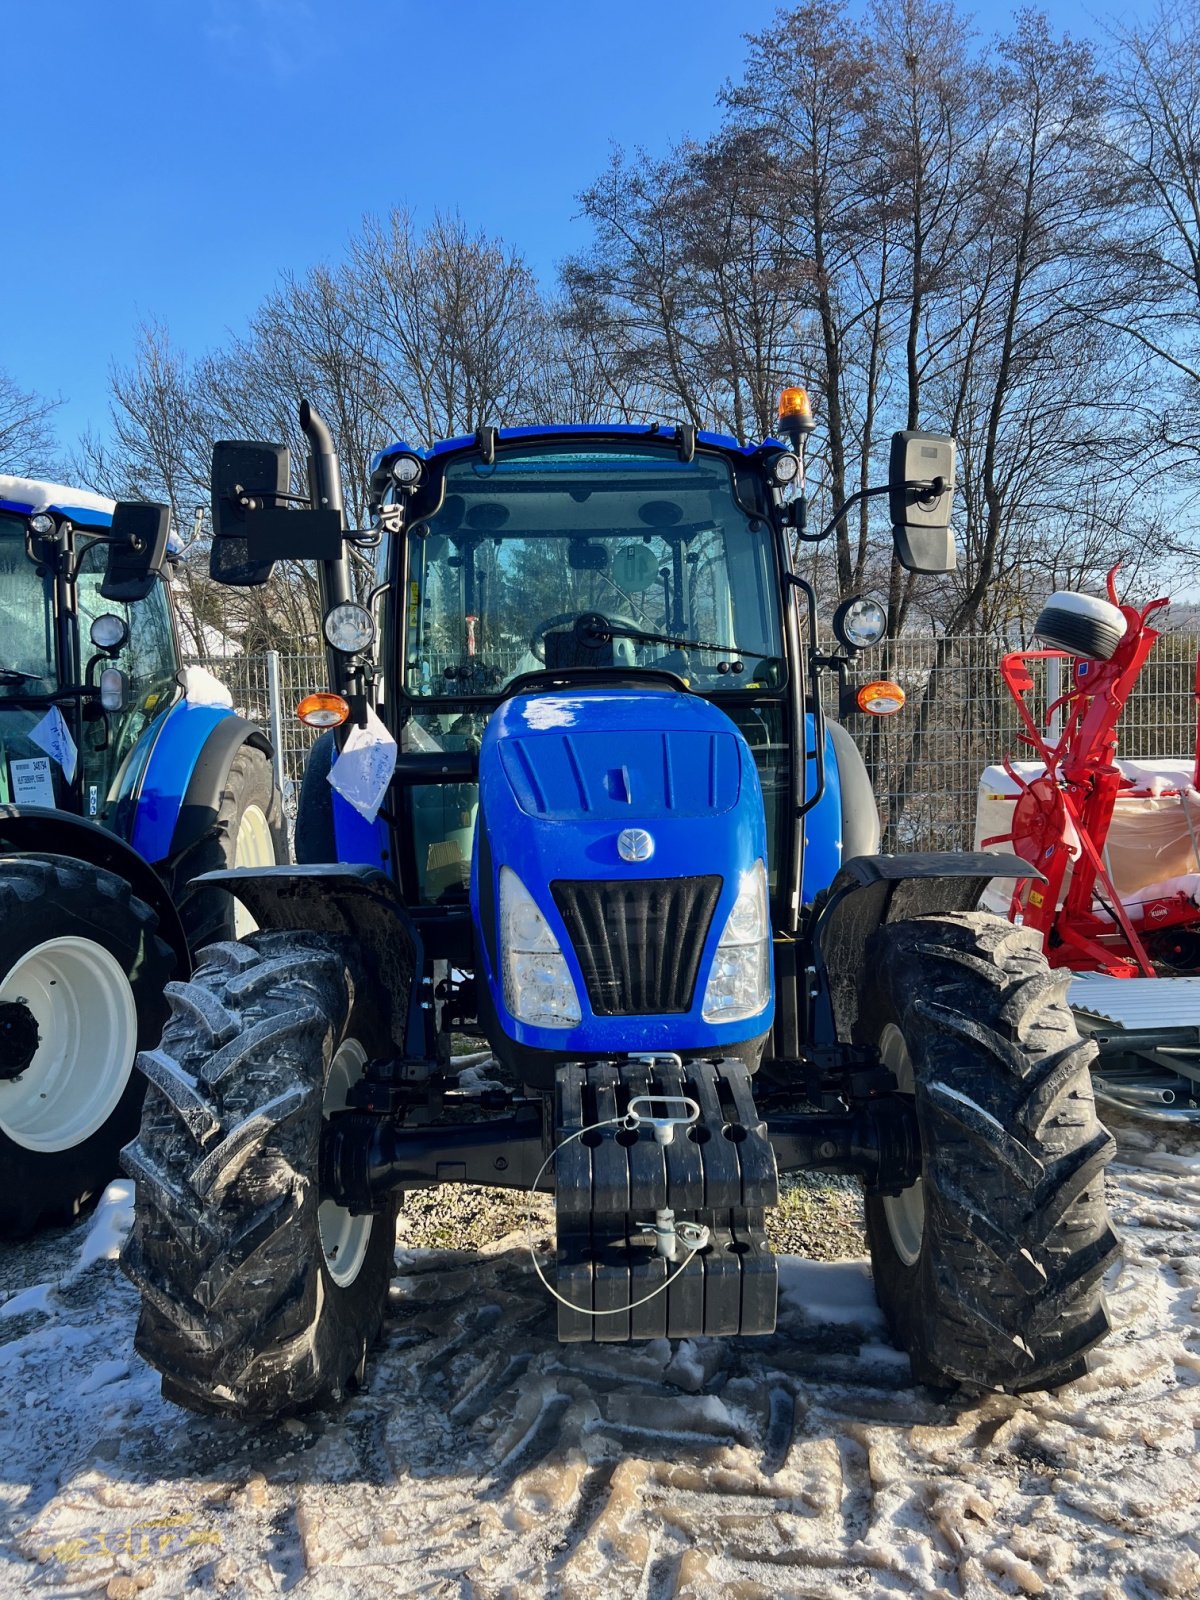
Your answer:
<point x="639" y="943"/>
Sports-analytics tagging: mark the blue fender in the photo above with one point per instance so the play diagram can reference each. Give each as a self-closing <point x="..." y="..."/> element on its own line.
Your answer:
<point x="175" y="751"/>
<point x="823" y="824"/>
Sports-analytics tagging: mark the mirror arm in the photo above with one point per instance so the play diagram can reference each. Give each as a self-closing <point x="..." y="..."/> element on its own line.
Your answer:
<point x="842" y="510"/>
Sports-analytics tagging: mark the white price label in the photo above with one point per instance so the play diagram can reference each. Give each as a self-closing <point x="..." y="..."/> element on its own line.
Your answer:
<point x="32" y="782"/>
<point x="364" y="769"/>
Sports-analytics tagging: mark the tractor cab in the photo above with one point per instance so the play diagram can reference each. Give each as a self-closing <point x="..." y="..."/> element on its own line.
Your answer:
<point x="571" y="560"/>
<point x="88" y="657"/>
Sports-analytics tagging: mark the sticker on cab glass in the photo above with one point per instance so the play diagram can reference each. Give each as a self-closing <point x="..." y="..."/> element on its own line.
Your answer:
<point x="32" y="782"/>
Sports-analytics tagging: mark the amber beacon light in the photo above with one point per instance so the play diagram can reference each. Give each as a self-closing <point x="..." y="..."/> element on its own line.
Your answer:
<point x="323" y="710"/>
<point x="795" y="408"/>
<point x="880" y="699"/>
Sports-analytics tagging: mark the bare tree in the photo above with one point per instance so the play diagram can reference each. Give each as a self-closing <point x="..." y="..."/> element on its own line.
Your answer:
<point x="453" y="322"/>
<point x="28" y="447"/>
<point x="1152" y="250"/>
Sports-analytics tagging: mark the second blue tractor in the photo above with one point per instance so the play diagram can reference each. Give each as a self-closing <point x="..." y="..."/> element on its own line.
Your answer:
<point x="122" y="778"/>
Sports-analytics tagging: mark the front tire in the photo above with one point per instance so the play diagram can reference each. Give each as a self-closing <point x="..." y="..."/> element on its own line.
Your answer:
<point x="259" y="1295"/>
<point x="81" y="991"/>
<point x="989" y="1267"/>
<point x="247" y="831"/>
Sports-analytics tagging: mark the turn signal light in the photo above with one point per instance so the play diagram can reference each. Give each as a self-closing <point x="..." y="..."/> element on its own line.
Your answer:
<point x="323" y="710"/>
<point x="881" y="699"/>
<point x="794" y="403"/>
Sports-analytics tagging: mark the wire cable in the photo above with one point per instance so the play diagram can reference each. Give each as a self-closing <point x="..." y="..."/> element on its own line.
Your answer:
<point x="692" y="1246"/>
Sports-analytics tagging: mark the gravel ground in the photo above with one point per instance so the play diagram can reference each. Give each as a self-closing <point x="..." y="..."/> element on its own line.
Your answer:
<point x="817" y="1217"/>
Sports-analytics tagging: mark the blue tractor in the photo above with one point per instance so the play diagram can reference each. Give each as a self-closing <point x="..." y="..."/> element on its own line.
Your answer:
<point x="121" y="780"/>
<point x="577" y="800"/>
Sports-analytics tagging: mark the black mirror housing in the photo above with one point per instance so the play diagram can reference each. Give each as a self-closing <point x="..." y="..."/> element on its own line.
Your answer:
<point x="925" y="549"/>
<point x="252" y="528"/>
<point x="246" y="476"/>
<point x="921" y="499"/>
<point x="137" y="552"/>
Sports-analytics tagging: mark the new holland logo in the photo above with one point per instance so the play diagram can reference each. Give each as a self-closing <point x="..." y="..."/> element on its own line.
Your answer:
<point x="634" y="844"/>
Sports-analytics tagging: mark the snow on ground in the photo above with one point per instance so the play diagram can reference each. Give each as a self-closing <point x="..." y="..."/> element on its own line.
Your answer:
<point x="486" y="1461"/>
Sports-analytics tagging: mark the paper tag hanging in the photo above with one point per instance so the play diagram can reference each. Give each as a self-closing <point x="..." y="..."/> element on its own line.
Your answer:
<point x="364" y="768"/>
<point x="53" y="736"/>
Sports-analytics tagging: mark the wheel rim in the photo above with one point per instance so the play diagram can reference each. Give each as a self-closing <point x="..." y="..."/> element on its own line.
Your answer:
<point x="344" y="1239"/>
<point x="86" y="1015"/>
<point x="905" y="1212"/>
<point x="253" y="847"/>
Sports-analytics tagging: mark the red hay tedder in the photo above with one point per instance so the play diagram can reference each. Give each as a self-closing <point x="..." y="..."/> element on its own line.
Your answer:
<point x="1117" y="844"/>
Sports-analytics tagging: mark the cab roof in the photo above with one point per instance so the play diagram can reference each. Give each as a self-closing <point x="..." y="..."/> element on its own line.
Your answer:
<point x="579" y="430"/>
<point x="27" y="495"/>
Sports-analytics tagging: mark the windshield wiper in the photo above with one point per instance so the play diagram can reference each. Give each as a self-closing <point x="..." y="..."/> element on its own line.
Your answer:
<point x="11" y="675"/>
<point x="622" y="632"/>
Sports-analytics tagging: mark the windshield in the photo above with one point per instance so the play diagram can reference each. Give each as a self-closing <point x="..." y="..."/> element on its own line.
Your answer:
<point x="26" y="617"/>
<point x="620" y="556"/>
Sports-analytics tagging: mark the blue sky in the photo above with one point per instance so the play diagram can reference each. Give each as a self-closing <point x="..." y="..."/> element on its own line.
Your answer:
<point x="167" y="159"/>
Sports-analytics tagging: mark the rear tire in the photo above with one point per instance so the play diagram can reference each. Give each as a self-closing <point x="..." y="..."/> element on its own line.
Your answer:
<point x="247" y="831"/>
<point x="989" y="1268"/>
<point x="81" y="981"/>
<point x="258" y="1295"/>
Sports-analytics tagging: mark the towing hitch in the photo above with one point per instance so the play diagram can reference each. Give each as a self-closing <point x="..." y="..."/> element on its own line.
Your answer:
<point x="662" y="1172"/>
<point x="659" y="1217"/>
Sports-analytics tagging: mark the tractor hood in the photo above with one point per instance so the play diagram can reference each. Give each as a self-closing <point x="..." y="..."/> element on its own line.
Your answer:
<point x="607" y="756"/>
<point x="632" y="818"/>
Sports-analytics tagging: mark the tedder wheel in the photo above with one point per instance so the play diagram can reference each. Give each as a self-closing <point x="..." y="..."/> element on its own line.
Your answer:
<point x="989" y="1267"/>
<point x="81" y="991"/>
<point x="258" y="1295"/>
<point x="247" y="831"/>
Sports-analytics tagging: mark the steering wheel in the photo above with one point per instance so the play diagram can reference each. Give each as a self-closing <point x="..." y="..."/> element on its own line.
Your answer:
<point x="592" y="628"/>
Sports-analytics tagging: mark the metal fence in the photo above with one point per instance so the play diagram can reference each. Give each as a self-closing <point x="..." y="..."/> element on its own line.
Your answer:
<point x="925" y="762"/>
<point x="267" y="688"/>
<point x="959" y="719"/>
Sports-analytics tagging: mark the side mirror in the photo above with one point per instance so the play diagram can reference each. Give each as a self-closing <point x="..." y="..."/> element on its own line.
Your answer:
<point x="252" y="529"/>
<point x="138" y="550"/>
<point x="921" y="498"/>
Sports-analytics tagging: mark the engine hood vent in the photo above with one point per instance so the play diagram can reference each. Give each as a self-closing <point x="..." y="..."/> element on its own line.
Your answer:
<point x="570" y="758"/>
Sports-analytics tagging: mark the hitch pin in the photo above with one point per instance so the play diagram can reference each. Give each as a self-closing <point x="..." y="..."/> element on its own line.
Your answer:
<point x="669" y="1235"/>
<point x="664" y="1123"/>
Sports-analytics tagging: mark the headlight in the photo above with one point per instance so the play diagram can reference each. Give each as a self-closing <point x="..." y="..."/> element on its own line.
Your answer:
<point x="739" y="984"/>
<point x="859" y="623"/>
<point x="43" y="524"/>
<point x="785" y="468"/>
<point x="406" y="470"/>
<point x="538" y="988"/>
<point x="350" y="628"/>
<point x="109" y="632"/>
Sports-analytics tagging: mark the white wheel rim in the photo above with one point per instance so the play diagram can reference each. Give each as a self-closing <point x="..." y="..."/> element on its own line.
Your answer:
<point x="905" y="1212"/>
<point x="344" y="1239"/>
<point x="86" y="1016"/>
<point x="253" y="847"/>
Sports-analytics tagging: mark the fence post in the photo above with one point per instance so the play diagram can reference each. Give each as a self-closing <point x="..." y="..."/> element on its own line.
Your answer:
<point x="274" y="703"/>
